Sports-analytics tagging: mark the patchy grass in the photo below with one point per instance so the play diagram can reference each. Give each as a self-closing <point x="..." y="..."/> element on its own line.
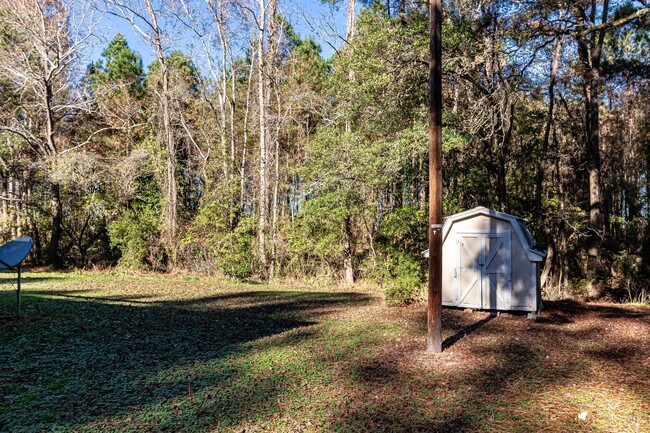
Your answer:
<point x="106" y="353"/>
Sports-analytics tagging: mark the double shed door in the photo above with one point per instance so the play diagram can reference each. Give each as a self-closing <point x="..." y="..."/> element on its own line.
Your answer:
<point x="483" y="271"/>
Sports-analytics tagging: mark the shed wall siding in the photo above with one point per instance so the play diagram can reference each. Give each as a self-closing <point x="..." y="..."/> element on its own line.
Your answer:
<point x="523" y="271"/>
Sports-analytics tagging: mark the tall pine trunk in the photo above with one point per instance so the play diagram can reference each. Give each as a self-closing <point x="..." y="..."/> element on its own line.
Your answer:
<point x="589" y="55"/>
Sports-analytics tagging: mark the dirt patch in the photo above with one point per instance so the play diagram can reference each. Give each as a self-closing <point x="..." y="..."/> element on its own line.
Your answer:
<point x="509" y="373"/>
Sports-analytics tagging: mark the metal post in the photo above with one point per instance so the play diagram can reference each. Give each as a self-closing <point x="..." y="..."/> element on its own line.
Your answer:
<point x="18" y="295"/>
<point x="434" y="301"/>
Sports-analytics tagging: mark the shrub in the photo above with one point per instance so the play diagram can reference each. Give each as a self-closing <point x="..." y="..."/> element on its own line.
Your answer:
<point x="223" y="237"/>
<point x="400" y="240"/>
<point x="627" y="282"/>
<point x="403" y="276"/>
<point x="316" y="240"/>
<point x="403" y="291"/>
<point x="135" y="233"/>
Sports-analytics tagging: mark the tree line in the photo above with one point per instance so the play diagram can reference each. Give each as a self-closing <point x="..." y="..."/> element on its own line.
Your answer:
<point x="242" y="150"/>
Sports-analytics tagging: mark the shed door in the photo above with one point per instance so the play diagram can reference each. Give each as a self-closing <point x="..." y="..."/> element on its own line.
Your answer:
<point x="483" y="271"/>
<point x="468" y="293"/>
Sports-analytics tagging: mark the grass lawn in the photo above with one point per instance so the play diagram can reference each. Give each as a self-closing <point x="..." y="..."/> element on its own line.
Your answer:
<point x="111" y="353"/>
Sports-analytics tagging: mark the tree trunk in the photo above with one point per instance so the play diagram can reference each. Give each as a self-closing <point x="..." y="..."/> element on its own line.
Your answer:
<point x="4" y="217"/>
<point x="242" y="167"/>
<point x="539" y="182"/>
<point x="548" y="264"/>
<point x="645" y="249"/>
<point x="348" y="265"/>
<point x="589" y="54"/>
<point x="56" y="207"/>
<point x="261" y="94"/>
<point x="170" y="193"/>
<point x="351" y="20"/>
<point x="33" y="228"/>
<point x="594" y="165"/>
<point x="561" y="237"/>
<point x="563" y="253"/>
<point x="274" y="211"/>
<point x="223" y="101"/>
<point x="11" y="194"/>
<point x="275" y="34"/>
<point x="20" y="204"/>
<point x="233" y="110"/>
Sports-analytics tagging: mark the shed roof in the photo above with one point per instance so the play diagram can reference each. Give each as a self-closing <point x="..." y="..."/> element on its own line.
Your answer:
<point x="518" y="224"/>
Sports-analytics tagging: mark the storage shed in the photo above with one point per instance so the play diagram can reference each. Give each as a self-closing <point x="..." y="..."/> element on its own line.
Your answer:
<point x="489" y="262"/>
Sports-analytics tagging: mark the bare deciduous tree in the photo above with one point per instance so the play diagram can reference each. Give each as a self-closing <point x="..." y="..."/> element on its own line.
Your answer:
<point x="145" y="18"/>
<point x="43" y="44"/>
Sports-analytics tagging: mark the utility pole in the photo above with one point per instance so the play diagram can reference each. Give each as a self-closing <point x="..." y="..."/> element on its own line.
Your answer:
<point x="434" y="301"/>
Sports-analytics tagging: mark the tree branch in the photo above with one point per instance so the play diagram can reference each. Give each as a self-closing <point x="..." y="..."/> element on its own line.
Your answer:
<point x="616" y="23"/>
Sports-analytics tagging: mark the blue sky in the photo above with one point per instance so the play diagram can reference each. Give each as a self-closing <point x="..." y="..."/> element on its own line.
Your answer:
<point x="309" y="18"/>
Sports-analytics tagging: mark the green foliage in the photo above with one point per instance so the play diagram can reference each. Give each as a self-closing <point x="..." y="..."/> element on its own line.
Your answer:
<point x="403" y="276"/>
<point x="219" y="235"/>
<point x="400" y="241"/>
<point x="119" y="66"/>
<point x="629" y="279"/>
<point x="184" y="76"/>
<point x="378" y="81"/>
<point x="403" y="228"/>
<point x="136" y="231"/>
<point x="318" y="233"/>
<point x="305" y="69"/>
<point x="236" y="255"/>
<point x="335" y="170"/>
<point x="131" y="234"/>
<point x="379" y="143"/>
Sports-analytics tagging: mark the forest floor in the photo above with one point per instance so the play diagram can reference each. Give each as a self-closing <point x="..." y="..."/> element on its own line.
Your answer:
<point x="109" y="352"/>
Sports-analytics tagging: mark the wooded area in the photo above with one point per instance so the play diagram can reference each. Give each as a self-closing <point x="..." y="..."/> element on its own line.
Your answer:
<point x="242" y="150"/>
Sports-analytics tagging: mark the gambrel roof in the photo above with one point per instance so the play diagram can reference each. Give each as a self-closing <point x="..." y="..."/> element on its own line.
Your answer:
<point x="518" y="225"/>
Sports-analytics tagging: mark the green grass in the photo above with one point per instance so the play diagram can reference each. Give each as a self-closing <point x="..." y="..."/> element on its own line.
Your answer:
<point x="114" y="352"/>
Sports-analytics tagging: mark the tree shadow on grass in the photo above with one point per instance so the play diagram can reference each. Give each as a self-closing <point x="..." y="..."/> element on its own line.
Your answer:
<point x="447" y="401"/>
<point x="567" y="311"/>
<point x="508" y="374"/>
<point x="99" y="362"/>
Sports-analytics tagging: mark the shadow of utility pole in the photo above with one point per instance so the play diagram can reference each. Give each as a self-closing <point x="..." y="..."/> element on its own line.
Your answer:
<point x="450" y="341"/>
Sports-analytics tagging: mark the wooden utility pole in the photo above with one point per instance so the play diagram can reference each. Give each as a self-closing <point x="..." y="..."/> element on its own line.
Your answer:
<point x="434" y="301"/>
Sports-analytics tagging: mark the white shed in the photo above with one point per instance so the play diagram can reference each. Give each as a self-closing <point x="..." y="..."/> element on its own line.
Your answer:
<point x="489" y="262"/>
